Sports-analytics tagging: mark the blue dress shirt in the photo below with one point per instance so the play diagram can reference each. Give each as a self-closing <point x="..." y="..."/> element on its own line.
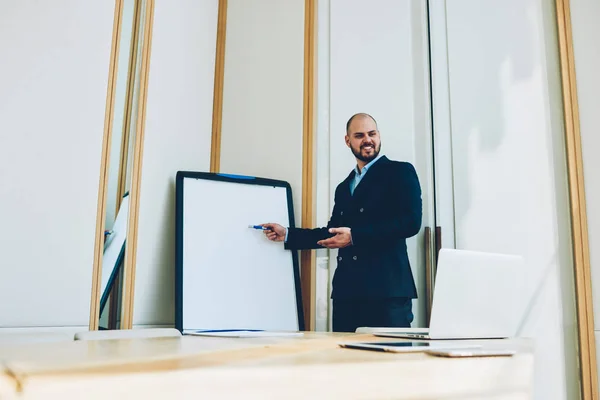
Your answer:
<point x="359" y="175"/>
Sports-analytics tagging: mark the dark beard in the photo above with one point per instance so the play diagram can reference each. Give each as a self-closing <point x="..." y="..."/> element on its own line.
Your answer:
<point x="366" y="159"/>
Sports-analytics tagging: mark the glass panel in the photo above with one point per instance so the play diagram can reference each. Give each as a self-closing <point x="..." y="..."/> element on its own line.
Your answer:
<point x="382" y="70"/>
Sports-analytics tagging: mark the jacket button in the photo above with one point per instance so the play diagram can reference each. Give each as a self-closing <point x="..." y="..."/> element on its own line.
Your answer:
<point x="341" y="213"/>
<point x="354" y="258"/>
<point x="339" y="258"/>
<point x="362" y="209"/>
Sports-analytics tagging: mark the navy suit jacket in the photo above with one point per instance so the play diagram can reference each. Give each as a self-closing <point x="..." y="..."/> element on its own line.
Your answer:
<point x="385" y="209"/>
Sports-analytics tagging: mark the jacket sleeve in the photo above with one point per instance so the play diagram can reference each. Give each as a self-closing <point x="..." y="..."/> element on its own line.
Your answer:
<point x="305" y="239"/>
<point x="405" y="213"/>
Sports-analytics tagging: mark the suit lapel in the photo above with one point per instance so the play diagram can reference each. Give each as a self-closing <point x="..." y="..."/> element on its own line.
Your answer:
<point x="370" y="178"/>
<point x="347" y="196"/>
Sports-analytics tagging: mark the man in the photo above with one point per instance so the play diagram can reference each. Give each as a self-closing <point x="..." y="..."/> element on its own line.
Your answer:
<point x="375" y="209"/>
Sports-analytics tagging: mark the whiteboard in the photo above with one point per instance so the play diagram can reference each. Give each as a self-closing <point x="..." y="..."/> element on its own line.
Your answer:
<point x="229" y="276"/>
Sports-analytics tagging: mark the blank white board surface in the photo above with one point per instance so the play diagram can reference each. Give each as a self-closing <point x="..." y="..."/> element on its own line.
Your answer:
<point x="230" y="276"/>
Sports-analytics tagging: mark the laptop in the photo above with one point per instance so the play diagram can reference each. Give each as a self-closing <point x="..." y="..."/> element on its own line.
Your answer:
<point x="477" y="296"/>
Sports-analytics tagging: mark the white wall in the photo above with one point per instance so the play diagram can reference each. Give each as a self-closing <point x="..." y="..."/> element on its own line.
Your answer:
<point x="55" y="64"/>
<point x="177" y="137"/>
<point x="263" y="92"/>
<point x="584" y="19"/>
<point x="373" y="59"/>
<point x="510" y="177"/>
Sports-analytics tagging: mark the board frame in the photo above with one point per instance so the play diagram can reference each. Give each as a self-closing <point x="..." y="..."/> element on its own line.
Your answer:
<point x="179" y="214"/>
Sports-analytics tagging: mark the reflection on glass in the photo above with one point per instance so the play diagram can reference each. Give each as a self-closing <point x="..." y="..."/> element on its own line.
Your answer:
<point x="120" y="163"/>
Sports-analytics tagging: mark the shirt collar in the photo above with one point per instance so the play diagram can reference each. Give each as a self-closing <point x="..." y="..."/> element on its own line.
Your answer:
<point x="367" y="166"/>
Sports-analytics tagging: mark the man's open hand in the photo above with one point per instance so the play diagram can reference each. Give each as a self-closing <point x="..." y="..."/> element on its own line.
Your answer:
<point x="342" y="238"/>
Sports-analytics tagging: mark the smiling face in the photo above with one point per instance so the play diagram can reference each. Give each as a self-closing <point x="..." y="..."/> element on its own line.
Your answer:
<point x="362" y="137"/>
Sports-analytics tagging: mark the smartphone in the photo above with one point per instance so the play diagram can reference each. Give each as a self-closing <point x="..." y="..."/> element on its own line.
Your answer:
<point x="457" y="353"/>
<point x="405" y="346"/>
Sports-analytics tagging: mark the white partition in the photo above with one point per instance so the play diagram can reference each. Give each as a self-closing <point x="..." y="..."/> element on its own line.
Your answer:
<point x="55" y="67"/>
<point x="509" y="165"/>
<point x="263" y="92"/>
<point x="177" y="137"/>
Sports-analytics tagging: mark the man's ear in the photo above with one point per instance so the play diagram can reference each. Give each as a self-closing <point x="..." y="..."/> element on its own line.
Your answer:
<point x="347" y="140"/>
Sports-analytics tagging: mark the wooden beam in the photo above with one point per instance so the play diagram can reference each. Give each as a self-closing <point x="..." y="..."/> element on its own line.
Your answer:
<point x="307" y="257"/>
<point x="104" y="168"/>
<point x="581" y="253"/>
<point x="129" y="266"/>
<point x="215" y="149"/>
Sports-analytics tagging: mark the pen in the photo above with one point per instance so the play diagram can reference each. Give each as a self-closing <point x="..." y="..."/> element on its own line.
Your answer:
<point x="258" y="227"/>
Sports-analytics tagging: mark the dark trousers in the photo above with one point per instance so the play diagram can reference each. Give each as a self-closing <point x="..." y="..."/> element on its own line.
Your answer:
<point x="349" y="314"/>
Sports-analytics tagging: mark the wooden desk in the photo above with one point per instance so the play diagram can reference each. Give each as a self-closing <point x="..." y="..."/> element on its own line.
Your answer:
<point x="9" y="339"/>
<point x="7" y="387"/>
<point x="309" y="367"/>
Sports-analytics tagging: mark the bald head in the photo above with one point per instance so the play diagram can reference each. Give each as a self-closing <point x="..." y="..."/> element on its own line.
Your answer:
<point x="358" y="117"/>
<point x="362" y="137"/>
